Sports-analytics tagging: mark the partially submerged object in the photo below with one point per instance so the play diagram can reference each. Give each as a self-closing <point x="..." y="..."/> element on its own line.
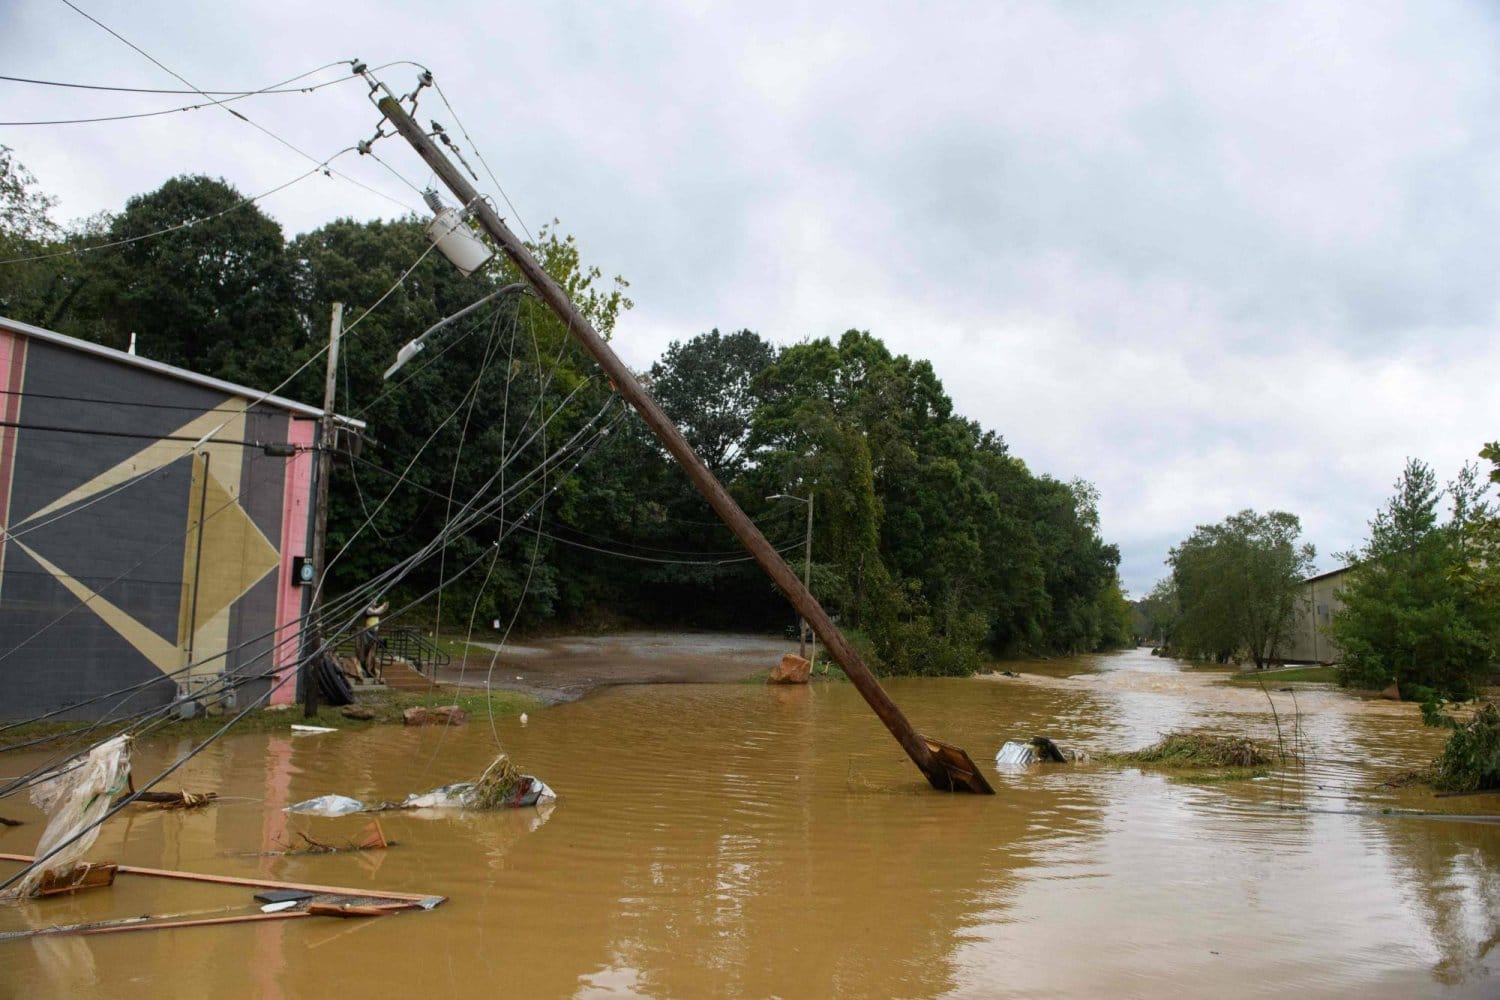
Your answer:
<point x="307" y="901"/>
<point x="792" y="669"/>
<point x="439" y="715"/>
<point x="501" y="786"/>
<point x="327" y="805"/>
<point x="1038" y="748"/>
<point x="75" y="797"/>
<point x="176" y="800"/>
<point x="1199" y="750"/>
<point x="947" y="767"/>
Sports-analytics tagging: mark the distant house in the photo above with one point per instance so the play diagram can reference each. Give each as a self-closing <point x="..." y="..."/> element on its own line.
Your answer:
<point x="138" y="565"/>
<point x="1318" y="602"/>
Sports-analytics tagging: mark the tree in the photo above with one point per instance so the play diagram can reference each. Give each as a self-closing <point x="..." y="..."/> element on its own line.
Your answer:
<point x="705" y="386"/>
<point x="1418" y="608"/>
<point x="216" y="296"/>
<point x="1159" y="611"/>
<point x="26" y="230"/>
<point x="1237" y="584"/>
<point x="25" y="212"/>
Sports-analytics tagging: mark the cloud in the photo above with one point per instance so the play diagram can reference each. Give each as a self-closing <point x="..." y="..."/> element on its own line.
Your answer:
<point x="1207" y="256"/>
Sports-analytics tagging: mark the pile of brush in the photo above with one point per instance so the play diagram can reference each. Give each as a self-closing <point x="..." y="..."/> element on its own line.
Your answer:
<point x="497" y="787"/>
<point x="1198" y="750"/>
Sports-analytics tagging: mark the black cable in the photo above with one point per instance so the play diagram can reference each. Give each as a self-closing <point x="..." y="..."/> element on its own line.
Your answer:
<point x="96" y="432"/>
<point x="172" y="111"/>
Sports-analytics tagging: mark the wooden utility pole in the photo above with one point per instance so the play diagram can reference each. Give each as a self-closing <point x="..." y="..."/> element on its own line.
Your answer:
<point x="948" y="768"/>
<point x="327" y="439"/>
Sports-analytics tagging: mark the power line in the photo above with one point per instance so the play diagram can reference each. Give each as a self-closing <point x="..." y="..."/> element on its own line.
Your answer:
<point x="185" y="82"/>
<point x="185" y="107"/>
<point x="475" y="147"/>
<point x="275" y="88"/>
<point x="98" y="432"/>
<point x="73" y="251"/>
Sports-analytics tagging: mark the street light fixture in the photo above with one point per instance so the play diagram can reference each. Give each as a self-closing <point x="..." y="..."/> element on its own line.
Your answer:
<point x="806" y="569"/>
<point x="412" y="348"/>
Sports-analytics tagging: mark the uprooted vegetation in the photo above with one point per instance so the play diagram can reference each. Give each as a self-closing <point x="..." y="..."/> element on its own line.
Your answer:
<point x="1470" y="761"/>
<point x="1202" y="756"/>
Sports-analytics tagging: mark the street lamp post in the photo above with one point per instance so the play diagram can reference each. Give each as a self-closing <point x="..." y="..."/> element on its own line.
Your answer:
<point x="806" y="567"/>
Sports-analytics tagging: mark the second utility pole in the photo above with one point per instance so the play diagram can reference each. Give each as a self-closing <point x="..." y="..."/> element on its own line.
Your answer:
<point x="327" y="438"/>
<point x="947" y="767"/>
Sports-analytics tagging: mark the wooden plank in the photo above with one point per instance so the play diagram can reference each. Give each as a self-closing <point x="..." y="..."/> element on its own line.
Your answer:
<point x="355" y="909"/>
<point x="258" y="883"/>
<point x="243" y="918"/>
<point x="86" y="875"/>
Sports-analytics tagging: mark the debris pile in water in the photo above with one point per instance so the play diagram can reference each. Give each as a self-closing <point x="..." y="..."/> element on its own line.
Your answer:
<point x="497" y="786"/>
<point x="501" y="786"/>
<point x="1198" y="750"/>
<point x="1470" y="761"/>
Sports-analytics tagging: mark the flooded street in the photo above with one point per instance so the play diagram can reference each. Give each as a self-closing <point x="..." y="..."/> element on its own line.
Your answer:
<point x="738" y="840"/>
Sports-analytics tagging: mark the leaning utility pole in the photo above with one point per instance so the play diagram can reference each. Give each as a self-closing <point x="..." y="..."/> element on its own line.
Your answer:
<point x="327" y="438"/>
<point x="948" y="768"/>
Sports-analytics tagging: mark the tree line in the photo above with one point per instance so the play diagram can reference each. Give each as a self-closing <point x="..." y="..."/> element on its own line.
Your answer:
<point x="1420" y="602"/>
<point x="935" y="544"/>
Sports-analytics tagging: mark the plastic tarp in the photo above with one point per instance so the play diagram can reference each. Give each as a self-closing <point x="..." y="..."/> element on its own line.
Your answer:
<point x="76" y="797"/>
<point x="530" y="792"/>
<point x="328" y="805"/>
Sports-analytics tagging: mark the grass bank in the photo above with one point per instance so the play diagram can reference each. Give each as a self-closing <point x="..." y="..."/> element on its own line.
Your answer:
<point x="1288" y="675"/>
<point x="387" y="706"/>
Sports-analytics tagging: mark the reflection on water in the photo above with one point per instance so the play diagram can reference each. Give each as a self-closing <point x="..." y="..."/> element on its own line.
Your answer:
<point x="735" y="840"/>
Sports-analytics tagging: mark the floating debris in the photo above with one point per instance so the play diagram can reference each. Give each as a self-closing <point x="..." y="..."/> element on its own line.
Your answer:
<point x="792" y="669"/>
<point x="176" y="800"/>
<point x="1201" y="750"/>
<point x="1038" y="748"/>
<point x="327" y="805"/>
<point x="76" y="797"/>
<point x="444" y="715"/>
<point x="501" y="786"/>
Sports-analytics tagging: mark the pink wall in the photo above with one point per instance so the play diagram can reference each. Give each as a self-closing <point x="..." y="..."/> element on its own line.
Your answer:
<point x="296" y="512"/>
<point x="12" y="375"/>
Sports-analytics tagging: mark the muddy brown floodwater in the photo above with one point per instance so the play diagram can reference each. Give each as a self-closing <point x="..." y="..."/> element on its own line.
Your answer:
<point x="738" y="840"/>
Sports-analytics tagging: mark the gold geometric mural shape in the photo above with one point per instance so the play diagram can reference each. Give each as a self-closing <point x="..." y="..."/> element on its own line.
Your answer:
<point x="157" y="455"/>
<point x="150" y="645"/>
<point x="235" y="555"/>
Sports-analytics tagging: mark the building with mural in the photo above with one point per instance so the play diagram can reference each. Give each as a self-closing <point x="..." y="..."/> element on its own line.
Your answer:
<point x="154" y="520"/>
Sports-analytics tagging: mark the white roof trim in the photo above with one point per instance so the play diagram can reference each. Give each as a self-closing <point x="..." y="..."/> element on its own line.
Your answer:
<point x="171" y="371"/>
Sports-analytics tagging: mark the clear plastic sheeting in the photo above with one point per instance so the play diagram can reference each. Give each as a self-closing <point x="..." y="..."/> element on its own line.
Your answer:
<point x="328" y="805"/>
<point x="75" y="798"/>
<point x="528" y="792"/>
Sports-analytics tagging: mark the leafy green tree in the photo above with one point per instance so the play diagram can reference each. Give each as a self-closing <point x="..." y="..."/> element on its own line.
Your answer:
<point x="1417" y="608"/>
<point x="1237" y="585"/>
<point x="705" y="386"/>
<point x="1159" y="612"/>
<point x="217" y="296"/>
<point x="25" y="211"/>
<point x="27" y="287"/>
<point x="947" y="543"/>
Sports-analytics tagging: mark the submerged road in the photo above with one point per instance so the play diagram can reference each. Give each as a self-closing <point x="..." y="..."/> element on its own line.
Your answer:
<point x="568" y="667"/>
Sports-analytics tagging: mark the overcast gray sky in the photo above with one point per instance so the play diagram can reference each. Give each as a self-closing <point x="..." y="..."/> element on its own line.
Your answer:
<point x="1208" y="256"/>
